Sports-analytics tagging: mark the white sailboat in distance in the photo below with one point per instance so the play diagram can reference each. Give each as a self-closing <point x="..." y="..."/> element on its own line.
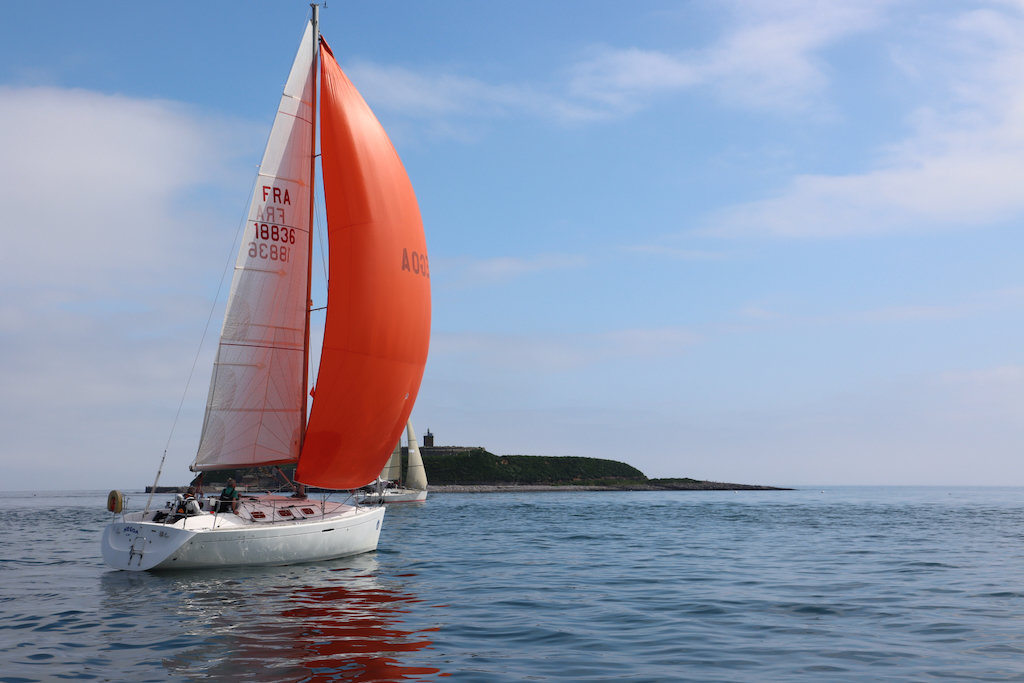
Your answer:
<point x="377" y="332"/>
<point x="392" y="488"/>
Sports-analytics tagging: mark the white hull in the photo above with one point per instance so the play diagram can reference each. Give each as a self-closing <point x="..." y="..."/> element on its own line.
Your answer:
<point x="395" y="496"/>
<point x="229" y="540"/>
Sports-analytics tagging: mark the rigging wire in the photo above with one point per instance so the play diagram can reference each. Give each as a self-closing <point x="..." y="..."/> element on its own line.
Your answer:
<point x="323" y="259"/>
<point x="220" y="287"/>
<point x="320" y="236"/>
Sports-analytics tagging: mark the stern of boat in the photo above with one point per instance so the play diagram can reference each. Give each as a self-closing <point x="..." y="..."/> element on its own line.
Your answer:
<point x="137" y="546"/>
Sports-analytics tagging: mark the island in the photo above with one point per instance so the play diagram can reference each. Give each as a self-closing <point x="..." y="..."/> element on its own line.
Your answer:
<point x="461" y="469"/>
<point x="471" y="470"/>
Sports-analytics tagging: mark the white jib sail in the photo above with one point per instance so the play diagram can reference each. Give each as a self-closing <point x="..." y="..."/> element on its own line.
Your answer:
<point x="393" y="469"/>
<point x="254" y="409"/>
<point x="415" y="476"/>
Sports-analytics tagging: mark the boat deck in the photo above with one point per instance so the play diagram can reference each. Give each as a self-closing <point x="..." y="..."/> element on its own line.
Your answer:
<point x="259" y="510"/>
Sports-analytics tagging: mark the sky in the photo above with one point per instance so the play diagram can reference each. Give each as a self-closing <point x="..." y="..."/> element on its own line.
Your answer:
<point x="767" y="242"/>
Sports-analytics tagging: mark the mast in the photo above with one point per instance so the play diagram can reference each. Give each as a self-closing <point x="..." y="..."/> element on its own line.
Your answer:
<point x="309" y="256"/>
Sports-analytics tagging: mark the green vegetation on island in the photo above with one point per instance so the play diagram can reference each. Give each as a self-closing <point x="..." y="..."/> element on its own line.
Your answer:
<point x="477" y="466"/>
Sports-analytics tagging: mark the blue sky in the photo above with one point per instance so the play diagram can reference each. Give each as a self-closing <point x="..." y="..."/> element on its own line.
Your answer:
<point x="761" y="242"/>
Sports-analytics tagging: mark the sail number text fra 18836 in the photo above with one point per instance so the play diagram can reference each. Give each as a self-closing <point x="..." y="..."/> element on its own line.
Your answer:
<point x="275" y="233"/>
<point x="272" y="231"/>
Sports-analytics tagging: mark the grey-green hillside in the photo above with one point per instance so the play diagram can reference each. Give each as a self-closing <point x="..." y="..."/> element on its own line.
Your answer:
<point x="480" y="467"/>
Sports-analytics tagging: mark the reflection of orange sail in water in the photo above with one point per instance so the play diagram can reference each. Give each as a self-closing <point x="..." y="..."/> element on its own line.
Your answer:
<point x="348" y="632"/>
<point x="328" y="632"/>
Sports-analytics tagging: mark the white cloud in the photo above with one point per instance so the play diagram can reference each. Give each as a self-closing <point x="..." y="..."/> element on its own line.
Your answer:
<point x="94" y="186"/>
<point x="108" y="263"/>
<point x="770" y="58"/>
<point x="620" y="79"/>
<point x="971" y="182"/>
<point x="963" y="166"/>
<point x="397" y="89"/>
<point x="764" y="59"/>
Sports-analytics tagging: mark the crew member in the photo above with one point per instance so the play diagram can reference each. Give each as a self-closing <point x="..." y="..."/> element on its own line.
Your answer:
<point x="229" y="498"/>
<point x="188" y="505"/>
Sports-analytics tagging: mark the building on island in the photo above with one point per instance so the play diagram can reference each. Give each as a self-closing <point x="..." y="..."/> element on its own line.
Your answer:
<point x="428" y="448"/>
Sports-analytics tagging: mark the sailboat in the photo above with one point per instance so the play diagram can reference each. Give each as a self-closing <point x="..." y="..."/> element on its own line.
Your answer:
<point x="390" y="488"/>
<point x="376" y="337"/>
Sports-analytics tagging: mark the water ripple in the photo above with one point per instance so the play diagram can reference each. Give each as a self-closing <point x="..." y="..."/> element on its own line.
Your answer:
<point x="881" y="584"/>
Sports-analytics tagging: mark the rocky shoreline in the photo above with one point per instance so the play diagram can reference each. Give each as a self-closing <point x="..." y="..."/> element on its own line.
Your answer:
<point x="530" y="488"/>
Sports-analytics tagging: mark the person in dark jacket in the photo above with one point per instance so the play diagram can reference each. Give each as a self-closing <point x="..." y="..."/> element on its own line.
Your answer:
<point x="229" y="498"/>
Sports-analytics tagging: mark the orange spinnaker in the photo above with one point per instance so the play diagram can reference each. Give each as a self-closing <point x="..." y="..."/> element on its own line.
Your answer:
<point x="377" y="331"/>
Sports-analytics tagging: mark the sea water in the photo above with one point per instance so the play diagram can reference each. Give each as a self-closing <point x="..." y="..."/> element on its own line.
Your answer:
<point x="833" y="584"/>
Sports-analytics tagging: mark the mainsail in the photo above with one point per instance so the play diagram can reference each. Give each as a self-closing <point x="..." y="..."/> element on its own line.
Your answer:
<point x="377" y="328"/>
<point x="255" y="405"/>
